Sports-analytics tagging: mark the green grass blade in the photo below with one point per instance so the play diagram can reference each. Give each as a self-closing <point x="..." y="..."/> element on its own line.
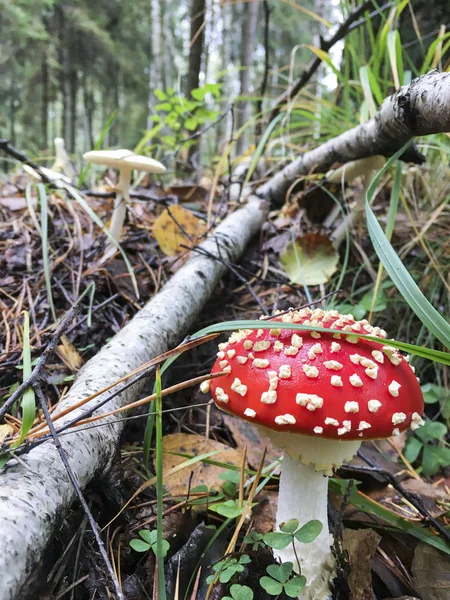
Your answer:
<point x="85" y="206"/>
<point x="423" y="352"/>
<point x="392" y="213"/>
<point x="399" y="523"/>
<point x="367" y="90"/>
<point x="260" y="148"/>
<point x="406" y="285"/>
<point x="28" y="398"/>
<point x="149" y="434"/>
<point x="159" y="489"/>
<point x="30" y="207"/>
<point x="43" y="201"/>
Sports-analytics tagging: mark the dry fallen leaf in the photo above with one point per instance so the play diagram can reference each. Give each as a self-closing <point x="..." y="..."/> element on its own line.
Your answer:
<point x="265" y="512"/>
<point x="69" y="354"/>
<point x="361" y="545"/>
<point x="5" y="430"/>
<point x="176" y="226"/>
<point x="431" y="571"/>
<point x="203" y="473"/>
<point x="312" y="260"/>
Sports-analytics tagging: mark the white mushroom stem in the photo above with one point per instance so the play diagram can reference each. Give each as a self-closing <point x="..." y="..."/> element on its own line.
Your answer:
<point x="121" y="202"/>
<point x="304" y="496"/>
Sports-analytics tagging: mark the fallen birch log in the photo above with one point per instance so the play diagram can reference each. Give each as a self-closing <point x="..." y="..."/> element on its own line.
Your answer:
<point x="35" y="493"/>
<point x="421" y="108"/>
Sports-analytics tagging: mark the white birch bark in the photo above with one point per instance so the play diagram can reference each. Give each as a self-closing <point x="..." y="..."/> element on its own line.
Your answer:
<point x="421" y="108"/>
<point x="36" y="493"/>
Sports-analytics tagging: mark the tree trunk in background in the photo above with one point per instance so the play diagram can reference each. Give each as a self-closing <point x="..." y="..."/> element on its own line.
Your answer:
<point x="12" y="119"/>
<point x="319" y="31"/>
<point x="45" y="101"/>
<point x="166" y="45"/>
<point x="89" y="105"/>
<point x="227" y="66"/>
<point x="156" y="59"/>
<point x="62" y="60"/>
<point x="73" y="92"/>
<point x="198" y="8"/>
<point x="249" y="25"/>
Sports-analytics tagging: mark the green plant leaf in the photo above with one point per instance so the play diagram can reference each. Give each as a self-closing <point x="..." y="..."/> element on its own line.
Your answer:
<point x="280" y="572"/>
<point x="435" y="457"/>
<point x="229" y="475"/>
<point x="431" y="430"/>
<point x="164" y="106"/>
<point x="433" y="393"/>
<point x="239" y="592"/>
<point x="277" y="540"/>
<point x="272" y="587"/>
<point x="294" y="586"/>
<point x="229" y="489"/>
<point x="311" y="260"/>
<point x="139" y="546"/>
<point x="430" y="460"/>
<point x="308" y="532"/>
<point x="290" y="526"/>
<point x="412" y="449"/>
<point x="148" y="536"/>
<point x="380" y="302"/>
<point x="229" y="572"/>
<point x="229" y="509"/>
<point x="191" y="123"/>
<point x="160" y="94"/>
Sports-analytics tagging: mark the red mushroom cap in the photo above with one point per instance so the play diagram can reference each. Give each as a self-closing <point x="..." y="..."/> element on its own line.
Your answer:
<point x="334" y="386"/>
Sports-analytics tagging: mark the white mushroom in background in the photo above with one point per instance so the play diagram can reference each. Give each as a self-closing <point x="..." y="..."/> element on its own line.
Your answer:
<point x="125" y="161"/>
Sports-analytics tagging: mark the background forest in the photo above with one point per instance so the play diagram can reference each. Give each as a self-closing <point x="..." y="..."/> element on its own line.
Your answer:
<point x="281" y="153"/>
<point x="67" y="67"/>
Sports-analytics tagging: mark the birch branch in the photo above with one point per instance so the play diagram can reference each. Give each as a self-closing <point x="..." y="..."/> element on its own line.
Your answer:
<point x="421" y="108"/>
<point x="36" y="492"/>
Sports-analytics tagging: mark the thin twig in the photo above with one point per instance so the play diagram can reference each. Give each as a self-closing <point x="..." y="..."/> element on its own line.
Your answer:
<point x="414" y="499"/>
<point x="7" y="147"/>
<point x="36" y="372"/>
<point x="316" y="62"/>
<point x="76" y="487"/>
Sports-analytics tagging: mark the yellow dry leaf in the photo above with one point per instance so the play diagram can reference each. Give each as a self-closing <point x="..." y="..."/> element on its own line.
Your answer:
<point x="203" y="473"/>
<point x="5" y="430"/>
<point x="176" y="226"/>
<point x="69" y="354"/>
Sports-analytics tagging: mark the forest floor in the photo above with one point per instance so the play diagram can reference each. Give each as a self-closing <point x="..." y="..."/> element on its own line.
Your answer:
<point x="390" y="552"/>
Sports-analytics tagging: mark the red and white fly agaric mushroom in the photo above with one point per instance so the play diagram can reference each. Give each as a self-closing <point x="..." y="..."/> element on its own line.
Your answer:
<point x="318" y="395"/>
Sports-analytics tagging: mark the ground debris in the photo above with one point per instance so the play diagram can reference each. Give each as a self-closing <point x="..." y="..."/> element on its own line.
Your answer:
<point x="361" y="545"/>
